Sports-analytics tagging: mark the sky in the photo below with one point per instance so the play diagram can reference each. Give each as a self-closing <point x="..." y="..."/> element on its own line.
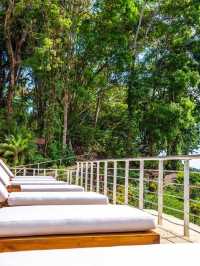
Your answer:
<point x="195" y="163"/>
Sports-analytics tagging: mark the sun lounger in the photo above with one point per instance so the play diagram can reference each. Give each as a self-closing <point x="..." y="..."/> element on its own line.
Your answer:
<point x="20" y="184"/>
<point x="49" y="188"/>
<point x="50" y="198"/>
<point x="58" y="187"/>
<point x="37" y="182"/>
<point x="34" y="178"/>
<point x="5" y="178"/>
<point x="55" y="198"/>
<point x="21" y="180"/>
<point x="16" y="184"/>
<point x="50" y="227"/>
<point x="156" y="255"/>
<point x="12" y="176"/>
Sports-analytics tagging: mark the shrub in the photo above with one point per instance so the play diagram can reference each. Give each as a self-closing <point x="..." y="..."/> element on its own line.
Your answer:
<point x="194" y="178"/>
<point x="153" y="187"/>
<point x="195" y="208"/>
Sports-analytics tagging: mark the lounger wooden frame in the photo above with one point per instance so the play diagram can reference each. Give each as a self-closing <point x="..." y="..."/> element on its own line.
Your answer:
<point x="9" y="244"/>
<point x="14" y="188"/>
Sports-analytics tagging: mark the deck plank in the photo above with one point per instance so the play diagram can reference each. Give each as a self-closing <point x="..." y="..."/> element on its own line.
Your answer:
<point x="171" y="231"/>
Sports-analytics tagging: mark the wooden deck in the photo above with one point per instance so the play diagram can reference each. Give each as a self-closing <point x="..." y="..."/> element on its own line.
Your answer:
<point x="171" y="231"/>
<point x="170" y="237"/>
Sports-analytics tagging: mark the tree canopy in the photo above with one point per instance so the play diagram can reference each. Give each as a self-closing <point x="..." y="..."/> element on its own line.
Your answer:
<point x="109" y="78"/>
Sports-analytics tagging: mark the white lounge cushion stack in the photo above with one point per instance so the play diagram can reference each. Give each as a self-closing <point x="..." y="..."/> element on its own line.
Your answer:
<point x="41" y="183"/>
<point x="4" y="168"/>
<point x="76" y="219"/>
<point x="156" y="255"/>
<point x="11" y="175"/>
<point x="5" y="179"/>
<point x="49" y="188"/>
<point x="55" y="198"/>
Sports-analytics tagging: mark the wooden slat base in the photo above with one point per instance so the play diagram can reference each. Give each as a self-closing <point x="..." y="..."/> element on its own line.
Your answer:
<point x="14" y="188"/>
<point x="78" y="241"/>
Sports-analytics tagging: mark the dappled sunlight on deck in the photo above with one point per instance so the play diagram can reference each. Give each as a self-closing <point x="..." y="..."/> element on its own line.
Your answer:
<point x="171" y="230"/>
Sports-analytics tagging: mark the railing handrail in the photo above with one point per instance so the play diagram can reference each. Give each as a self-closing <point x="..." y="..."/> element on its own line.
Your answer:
<point x="50" y="161"/>
<point x="44" y="162"/>
<point x="164" y="158"/>
<point x="41" y="169"/>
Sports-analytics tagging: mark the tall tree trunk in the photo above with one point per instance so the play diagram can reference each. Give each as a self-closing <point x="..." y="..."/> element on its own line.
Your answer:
<point x="66" y="102"/>
<point x="11" y="56"/>
<point x="2" y="79"/>
<point x="10" y="93"/>
<point x="98" y="107"/>
<point x="14" y="47"/>
<point x="41" y="104"/>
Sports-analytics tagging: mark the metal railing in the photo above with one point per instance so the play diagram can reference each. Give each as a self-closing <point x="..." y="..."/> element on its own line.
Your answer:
<point x="64" y="174"/>
<point x="47" y="163"/>
<point x="164" y="184"/>
<point x="147" y="183"/>
<point x="59" y="162"/>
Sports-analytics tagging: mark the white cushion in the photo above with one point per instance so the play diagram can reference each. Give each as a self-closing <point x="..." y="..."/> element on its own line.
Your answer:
<point x="37" y="182"/>
<point x="6" y="168"/>
<point x="153" y="255"/>
<point x="3" y="193"/>
<point x="4" y="177"/>
<point x="34" y="177"/>
<point x="76" y="219"/>
<point x="48" y="188"/>
<point x="55" y="198"/>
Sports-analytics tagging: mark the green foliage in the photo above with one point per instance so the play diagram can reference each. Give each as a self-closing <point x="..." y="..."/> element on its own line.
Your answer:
<point x="125" y="75"/>
<point x="194" y="178"/>
<point x="56" y="152"/>
<point x="16" y="148"/>
<point x="195" y="208"/>
<point x="153" y="187"/>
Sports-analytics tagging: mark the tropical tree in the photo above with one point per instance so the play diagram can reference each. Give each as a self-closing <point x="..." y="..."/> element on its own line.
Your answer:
<point x="16" y="148"/>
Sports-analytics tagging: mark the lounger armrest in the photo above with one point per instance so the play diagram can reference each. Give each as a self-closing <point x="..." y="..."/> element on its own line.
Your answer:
<point x="14" y="188"/>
